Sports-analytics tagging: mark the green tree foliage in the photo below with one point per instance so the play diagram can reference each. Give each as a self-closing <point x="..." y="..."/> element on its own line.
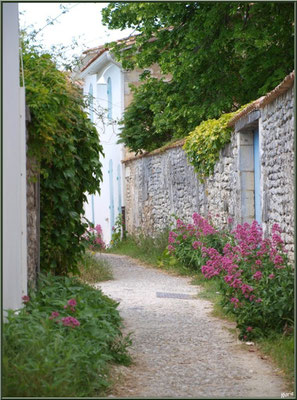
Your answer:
<point x="220" y="55"/>
<point x="66" y="144"/>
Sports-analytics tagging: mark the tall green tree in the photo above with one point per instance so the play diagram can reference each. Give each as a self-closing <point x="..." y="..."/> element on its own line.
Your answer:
<point x="66" y="145"/>
<point x="220" y="55"/>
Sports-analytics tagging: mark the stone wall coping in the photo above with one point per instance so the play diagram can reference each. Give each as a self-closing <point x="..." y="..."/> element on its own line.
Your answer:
<point x="177" y="143"/>
<point x="285" y="85"/>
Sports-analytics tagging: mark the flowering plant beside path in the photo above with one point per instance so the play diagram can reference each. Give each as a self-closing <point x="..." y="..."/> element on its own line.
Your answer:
<point x="94" y="238"/>
<point x="254" y="273"/>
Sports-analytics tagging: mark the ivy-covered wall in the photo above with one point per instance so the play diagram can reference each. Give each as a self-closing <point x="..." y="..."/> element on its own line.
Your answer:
<point x="162" y="182"/>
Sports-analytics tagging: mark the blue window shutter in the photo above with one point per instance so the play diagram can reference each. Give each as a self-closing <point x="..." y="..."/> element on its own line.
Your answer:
<point x="119" y="190"/>
<point x="257" y="178"/>
<point x="109" y="99"/>
<point x="111" y="205"/>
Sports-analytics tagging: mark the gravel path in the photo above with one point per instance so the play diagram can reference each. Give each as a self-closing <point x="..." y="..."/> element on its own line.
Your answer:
<point x="179" y="350"/>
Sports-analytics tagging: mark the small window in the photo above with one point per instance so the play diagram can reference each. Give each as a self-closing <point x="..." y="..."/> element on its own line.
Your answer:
<point x="109" y="99"/>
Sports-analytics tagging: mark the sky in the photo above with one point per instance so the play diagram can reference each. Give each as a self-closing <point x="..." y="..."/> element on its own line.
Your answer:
<point x="82" y="22"/>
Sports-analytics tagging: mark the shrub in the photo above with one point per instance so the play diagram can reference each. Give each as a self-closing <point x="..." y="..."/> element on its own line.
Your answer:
<point x="255" y="276"/>
<point x="62" y="342"/>
<point x="185" y="241"/>
<point x="65" y="144"/>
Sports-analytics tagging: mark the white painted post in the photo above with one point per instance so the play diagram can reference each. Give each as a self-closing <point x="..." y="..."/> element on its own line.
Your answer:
<point x="14" y="170"/>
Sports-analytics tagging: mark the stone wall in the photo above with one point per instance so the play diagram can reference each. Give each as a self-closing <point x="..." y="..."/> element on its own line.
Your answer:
<point x="277" y="165"/>
<point x="33" y="216"/>
<point x="32" y="223"/>
<point x="162" y="183"/>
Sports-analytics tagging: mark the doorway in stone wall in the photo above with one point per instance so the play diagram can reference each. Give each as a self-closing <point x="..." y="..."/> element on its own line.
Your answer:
<point x="257" y="176"/>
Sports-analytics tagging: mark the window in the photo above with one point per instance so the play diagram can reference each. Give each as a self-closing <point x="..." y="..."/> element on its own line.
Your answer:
<point x="109" y="99"/>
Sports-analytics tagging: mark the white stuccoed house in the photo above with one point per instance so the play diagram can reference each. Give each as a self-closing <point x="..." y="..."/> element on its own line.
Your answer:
<point x="108" y="83"/>
<point x="104" y="81"/>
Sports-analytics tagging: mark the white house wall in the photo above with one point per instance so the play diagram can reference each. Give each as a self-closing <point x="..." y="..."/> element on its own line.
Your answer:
<point x="14" y="173"/>
<point x="100" y="207"/>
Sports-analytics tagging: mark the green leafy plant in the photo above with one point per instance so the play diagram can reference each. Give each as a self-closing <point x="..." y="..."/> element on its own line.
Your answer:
<point x="216" y="56"/>
<point x="204" y="143"/>
<point x="66" y="145"/>
<point x="62" y="343"/>
<point x="118" y="232"/>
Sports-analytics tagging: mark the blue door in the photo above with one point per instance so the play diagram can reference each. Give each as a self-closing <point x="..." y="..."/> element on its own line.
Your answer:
<point x="257" y="177"/>
<point x="119" y="190"/>
<point x="111" y="197"/>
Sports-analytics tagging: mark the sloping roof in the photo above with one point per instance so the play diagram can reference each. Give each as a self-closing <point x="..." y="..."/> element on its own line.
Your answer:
<point x="264" y="100"/>
<point x="128" y="41"/>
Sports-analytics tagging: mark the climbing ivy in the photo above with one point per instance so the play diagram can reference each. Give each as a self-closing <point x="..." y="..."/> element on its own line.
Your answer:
<point x="204" y="143"/>
<point x="66" y="145"/>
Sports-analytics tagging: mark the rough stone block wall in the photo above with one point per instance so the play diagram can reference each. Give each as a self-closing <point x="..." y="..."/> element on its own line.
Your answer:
<point x="277" y="166"/>
<point x="163" y="184"/>
<point x="32" y="223"/>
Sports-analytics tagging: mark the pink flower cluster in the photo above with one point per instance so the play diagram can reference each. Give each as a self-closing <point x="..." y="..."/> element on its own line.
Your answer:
<point x="66" y="321"/>
<point x="25" y="299"/>
<point x="70" y="321"/>
<point x="71" y="304"/>
<point x="94" y="237"/>
<point x="199" y="228"/>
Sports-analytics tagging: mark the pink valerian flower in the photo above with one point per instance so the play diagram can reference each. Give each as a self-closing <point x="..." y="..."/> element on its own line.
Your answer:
<point x="171" y="249"/>
<point x="25" y="299"/>
<point x="252" y="297"/>
<point x="185" y="237"/>
<point x="236" y="283"/>
<point x="235" y="301"/>
<point x="180" y="223"/>
<point x="98" y="229"/>
<point x="249" y="329"/>
<point x="70" y="321"/>
<point x="258" y="275"/>
<point x="259" y="300"/>
<point x="258" y="262"/>
<point x="196" y="244"/>
<point x="172" y="236"/>
<point x="54" y="315"/>
<point x="228" y="278"/>
<point x="271" y="276"/>
<point x="278" y="260"/>
<point x="72" y="302"/>
<point x="276" y="228"/>
<point x="246" y="288"/>
<point x="229" y="220"/>
<point x="276" y="239"/>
